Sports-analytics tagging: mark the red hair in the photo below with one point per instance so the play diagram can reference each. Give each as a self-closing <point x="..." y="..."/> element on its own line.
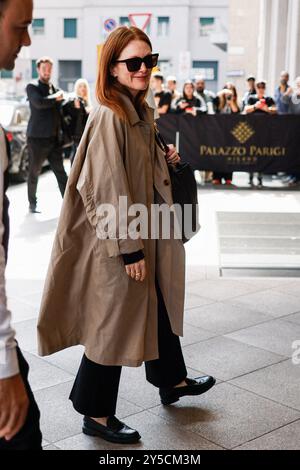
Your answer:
<point x="108" y="89"/>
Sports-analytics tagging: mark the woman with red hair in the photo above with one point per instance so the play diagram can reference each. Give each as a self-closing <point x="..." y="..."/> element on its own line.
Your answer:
<point x="120" y="296"/>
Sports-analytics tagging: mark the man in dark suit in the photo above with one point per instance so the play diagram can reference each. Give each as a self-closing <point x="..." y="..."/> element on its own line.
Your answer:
<point x="19" y="414"/>
<point x="43" y="130"/>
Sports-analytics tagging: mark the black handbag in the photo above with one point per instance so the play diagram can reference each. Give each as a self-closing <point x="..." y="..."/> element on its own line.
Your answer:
<point x="65" y="138"/>
<point x="184" y="192"/>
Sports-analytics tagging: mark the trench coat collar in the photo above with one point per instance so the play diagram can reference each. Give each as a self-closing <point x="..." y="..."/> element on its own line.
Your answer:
<point x="134" y="118"/>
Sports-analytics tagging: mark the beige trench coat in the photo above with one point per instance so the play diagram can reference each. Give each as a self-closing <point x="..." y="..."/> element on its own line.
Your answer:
<point x="88" y="297"/>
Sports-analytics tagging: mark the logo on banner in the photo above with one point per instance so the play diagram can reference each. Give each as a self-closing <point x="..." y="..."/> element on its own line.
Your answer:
<point x="243" y="132"/>
<point x="140" y="20"/>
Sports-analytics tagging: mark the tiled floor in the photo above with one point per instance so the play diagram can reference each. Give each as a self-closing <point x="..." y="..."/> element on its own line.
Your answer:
<point x="241" y="331"/>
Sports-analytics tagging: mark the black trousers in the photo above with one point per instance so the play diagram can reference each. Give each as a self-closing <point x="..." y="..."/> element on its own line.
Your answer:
<point x="95" y="390"/>
<point x="39" y="150"/>
<point x="29" y="437"/>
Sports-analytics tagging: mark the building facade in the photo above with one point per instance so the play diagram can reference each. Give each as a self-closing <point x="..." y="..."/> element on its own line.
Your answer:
<point x="190" y="35"/>
<point x="264" y="39"/>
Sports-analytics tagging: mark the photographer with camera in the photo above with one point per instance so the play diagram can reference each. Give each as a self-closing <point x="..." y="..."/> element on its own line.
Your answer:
<point x="226" y="102"/>
<point x="76" y="112"/>
<point x="44" y="130"/>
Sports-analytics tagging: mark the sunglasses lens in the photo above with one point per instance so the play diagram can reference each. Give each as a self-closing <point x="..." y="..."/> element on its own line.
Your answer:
<point x="150" y="61"/>
<point x="134" y="64"/>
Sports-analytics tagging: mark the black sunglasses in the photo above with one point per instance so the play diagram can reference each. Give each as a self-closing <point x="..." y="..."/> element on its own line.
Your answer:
<point x="134" y="64"/>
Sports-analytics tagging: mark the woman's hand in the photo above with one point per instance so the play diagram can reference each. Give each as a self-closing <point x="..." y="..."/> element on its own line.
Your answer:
<point x="172" y="155"/>
<point x="192" y="111"/>
<point x="137" y="271"/>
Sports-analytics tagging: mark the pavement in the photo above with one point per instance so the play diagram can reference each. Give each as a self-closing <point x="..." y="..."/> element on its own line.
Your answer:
<point x="239" y="329"/>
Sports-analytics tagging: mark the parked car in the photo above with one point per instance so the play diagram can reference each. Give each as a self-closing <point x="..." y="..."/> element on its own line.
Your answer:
<point x="14" y="116"/>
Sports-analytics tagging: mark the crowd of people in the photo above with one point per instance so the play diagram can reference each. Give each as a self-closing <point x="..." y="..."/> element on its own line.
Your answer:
<point x="58" y="120"/>
<point x="196" y="100"/>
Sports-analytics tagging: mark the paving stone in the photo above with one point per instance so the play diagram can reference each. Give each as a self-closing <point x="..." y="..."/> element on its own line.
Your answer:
<point x="284" y="438"/>
<point x="276" y="336"/>
<point x="227" y="415"/>
<point x="44" y="375"/>
<point x="269" y="302"/>
<point x="221" y="318"/>
<point x="225" y="358"/>
<point x="220" y="289"/>
<point x="279" y="382"/>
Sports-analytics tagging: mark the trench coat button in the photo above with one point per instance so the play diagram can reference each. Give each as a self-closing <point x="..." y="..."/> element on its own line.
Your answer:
<point x="166" y="182"/>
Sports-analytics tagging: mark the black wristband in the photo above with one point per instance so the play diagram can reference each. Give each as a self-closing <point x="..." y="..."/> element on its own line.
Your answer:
<point x="133" y="257"/>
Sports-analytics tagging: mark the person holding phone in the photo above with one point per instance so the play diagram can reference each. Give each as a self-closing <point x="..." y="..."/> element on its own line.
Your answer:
<point x="261" y="103"/>
<point x="189" y="103"/>
<point x="124" y="299"/>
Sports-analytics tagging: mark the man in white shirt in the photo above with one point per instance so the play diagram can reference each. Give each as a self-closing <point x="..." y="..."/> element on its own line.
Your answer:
<point x="19" y="414"/>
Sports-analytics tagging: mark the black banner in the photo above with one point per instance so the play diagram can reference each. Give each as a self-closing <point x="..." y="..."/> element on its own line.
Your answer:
<point x="226" y="143"/>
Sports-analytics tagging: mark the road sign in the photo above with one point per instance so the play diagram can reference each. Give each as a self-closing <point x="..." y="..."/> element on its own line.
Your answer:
<point x="140" y="20"/>
<point x="110" y="24"/>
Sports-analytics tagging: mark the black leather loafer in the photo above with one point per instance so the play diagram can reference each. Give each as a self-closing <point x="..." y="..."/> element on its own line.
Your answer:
<point x="115" y="431"/>
<point x="195" y="386"/>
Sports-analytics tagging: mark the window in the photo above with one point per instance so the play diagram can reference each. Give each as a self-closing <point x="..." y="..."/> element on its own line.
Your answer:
<point x="124" y="21"/>
<point x="38" y="26"/>
<point x="34" y="72"/>
<point x="207" y="70"/>
<point x="6" y="74"/>
<point x="70" y="28"/>
<point x="163" y="25"/>
<point x="207" y="26"/>
<point x="164" y="67"/>
<point x="69" y="72"/>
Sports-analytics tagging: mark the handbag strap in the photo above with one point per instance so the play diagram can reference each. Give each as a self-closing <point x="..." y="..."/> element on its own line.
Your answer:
<point x="160" y="140"/>
<point x="162" y="144"/>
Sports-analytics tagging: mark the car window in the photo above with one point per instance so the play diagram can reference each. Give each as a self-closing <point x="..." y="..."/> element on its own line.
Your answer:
<point x="6" y="114"/>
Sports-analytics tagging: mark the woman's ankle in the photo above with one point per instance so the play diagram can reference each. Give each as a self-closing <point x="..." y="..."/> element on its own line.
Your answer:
<point x="102" y="420"/>
<point x="182" y="384"/>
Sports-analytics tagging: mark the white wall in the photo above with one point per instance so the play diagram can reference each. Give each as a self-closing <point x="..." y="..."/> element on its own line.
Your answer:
<point x="184" y="19"/>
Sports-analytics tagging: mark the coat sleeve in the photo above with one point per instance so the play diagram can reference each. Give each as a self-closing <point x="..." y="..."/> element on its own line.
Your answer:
<point x="103" y="181"/>
<point x="37" y="100"/>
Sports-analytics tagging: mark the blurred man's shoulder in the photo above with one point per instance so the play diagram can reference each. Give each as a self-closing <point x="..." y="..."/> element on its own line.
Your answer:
<point x="32" y="84"/>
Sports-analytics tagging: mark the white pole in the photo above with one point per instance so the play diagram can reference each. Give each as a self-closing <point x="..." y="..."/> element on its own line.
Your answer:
<point x="177" y="140"/>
